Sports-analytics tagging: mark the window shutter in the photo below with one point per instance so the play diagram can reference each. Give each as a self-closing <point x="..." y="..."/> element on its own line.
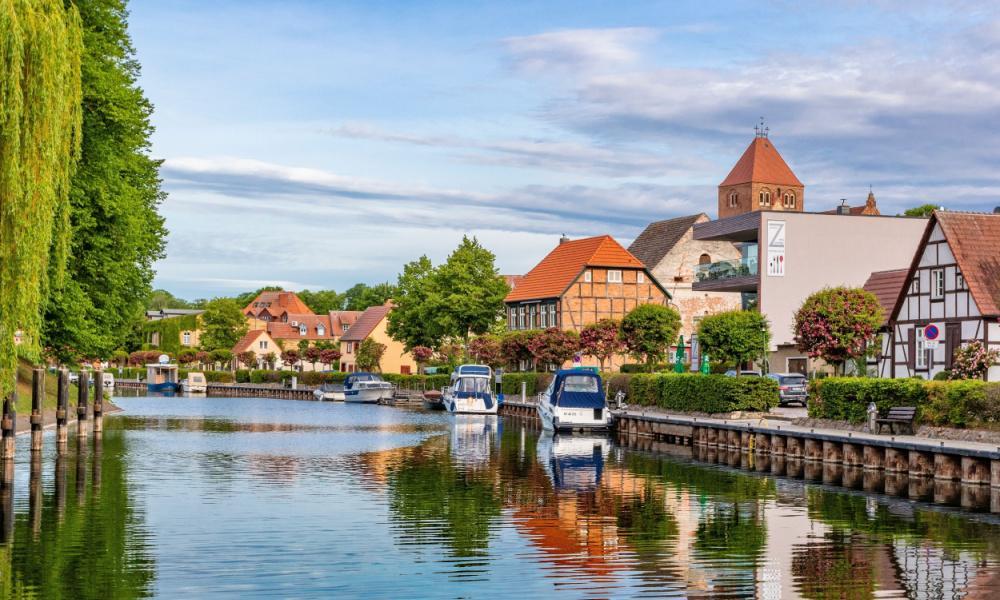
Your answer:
<point x="911" y="352"/>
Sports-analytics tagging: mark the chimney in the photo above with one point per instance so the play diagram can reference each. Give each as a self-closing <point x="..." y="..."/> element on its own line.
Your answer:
<point x="996" y="210"/>
<point x="843" y="209"/>
<point x="563" y="239"/>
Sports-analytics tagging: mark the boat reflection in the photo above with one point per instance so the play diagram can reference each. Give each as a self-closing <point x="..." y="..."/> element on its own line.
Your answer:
<point x="573" y="462"/>
<point x="473" y="437"/>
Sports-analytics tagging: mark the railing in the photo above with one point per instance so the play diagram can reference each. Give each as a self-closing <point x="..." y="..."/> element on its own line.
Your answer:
<point x="726" y="269"/>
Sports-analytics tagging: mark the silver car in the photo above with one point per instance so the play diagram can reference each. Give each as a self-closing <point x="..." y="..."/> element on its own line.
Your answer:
<point x="792" y="387"/>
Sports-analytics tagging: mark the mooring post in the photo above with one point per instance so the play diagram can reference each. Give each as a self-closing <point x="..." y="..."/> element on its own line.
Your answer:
<point x="8" y="424"/>
<point x="83" y="391"/>
<point x="62" y="402"/>
<point x="37" y="395"/>
<point x="98" y="402"/>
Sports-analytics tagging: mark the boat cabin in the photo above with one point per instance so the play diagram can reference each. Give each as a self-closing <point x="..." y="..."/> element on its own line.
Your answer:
<point x="577" y="388"/>
<point x="161" y="374"/>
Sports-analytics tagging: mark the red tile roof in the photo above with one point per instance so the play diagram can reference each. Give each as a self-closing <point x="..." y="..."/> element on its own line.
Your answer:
<point x="974" y="239"/>
<point x="281" y="330"/>
<point x="276" y="303"/>
<point x="513" y="280"/>
<point x="342" y="320"/>
<point x="761" y="163"/>
<point x="366" y="323"/>
<point x="886" y="285"/>
<point x="551" y="277"/>
<point x="248" y="340"/>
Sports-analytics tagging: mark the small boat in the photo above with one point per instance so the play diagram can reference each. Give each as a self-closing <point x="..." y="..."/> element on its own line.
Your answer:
<point x="330" y="391"/>
<point x="368" y="388"/>
<point x="194" y="383"/>
<point x="432" y="400"/>
<point x="109" y="381"/>
<point x="471" y="391"/>
<point x="161" y="378"/>
<point x="574" y="400"/>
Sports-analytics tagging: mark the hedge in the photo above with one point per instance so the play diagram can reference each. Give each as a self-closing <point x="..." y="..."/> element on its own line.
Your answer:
<point x="140" y="374"/>
<point x="703" y="393"/>
<point x="950" y="403"/>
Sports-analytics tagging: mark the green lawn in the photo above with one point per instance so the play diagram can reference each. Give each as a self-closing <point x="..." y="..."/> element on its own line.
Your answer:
<point x="23" y="406"/>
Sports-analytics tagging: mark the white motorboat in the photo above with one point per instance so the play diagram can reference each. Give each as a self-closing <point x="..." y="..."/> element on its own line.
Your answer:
<point x="330" y="391"/>
<point x="194" y="383"/>
<point x="470" y="391"/>
<point x="575" y="400"/>
<point x="368" y="388"/>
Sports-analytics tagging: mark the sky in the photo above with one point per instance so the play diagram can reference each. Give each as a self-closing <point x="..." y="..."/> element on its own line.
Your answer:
<point x="321" y="144"/>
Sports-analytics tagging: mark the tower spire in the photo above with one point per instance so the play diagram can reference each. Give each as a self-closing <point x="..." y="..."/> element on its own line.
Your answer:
<point x="761" y="130"/>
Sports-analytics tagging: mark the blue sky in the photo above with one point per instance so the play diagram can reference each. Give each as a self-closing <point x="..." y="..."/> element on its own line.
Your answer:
<point x="320" y="144"/>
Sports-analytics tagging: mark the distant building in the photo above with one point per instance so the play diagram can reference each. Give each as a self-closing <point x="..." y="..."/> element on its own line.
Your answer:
<point x="371" y="324"/>
<point x="188" y="335"/>
<point x="868" y="208"/>
<point x="760" y="180"/>
<point x="273" y="306"/>
<point x="167" y="313"/>
<point x="675" y="259"/>
<point x="262" y="345"/>
<point x="289" y="335"/>
<point x="581" y="282"/>
<point x="953" y="286"/>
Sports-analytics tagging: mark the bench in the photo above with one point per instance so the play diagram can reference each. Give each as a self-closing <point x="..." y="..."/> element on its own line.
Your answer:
<point x="898" y="415"/>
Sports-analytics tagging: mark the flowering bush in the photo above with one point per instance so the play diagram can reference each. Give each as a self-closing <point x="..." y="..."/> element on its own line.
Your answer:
<point x="973" y="360"/>
<point x="602" y="340"/>
<point x="486" y="350"/>
<point x="422" y="354"/>
<point x="554" y="346"/>
<point x="837" y="324"/>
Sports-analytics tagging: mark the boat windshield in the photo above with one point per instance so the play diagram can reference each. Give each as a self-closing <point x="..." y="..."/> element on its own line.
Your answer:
<point x="580" y="383"/>
<point x="472" y="384"/>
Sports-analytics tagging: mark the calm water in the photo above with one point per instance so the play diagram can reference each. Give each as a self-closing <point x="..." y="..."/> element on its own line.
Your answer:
<point x="199" y="498"/>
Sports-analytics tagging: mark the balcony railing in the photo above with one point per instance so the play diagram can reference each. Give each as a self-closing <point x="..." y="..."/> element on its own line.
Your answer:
<point x="726" y="269"/>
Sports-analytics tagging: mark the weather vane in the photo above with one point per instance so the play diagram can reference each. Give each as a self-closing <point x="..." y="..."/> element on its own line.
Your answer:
<point x="761" y="130"/>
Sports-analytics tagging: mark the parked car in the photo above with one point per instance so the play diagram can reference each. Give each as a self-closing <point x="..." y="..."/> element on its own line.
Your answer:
<point x="743" y="373"/>
<point x="792" y="387"/>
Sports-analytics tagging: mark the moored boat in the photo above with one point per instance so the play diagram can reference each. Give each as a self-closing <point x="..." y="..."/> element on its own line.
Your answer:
<point x="194" y="383"/>
<point x="471" y="391"/>
<point x="433" y="400"/>
<point x="161" y="378"/>
<point x="575" y="400"/>
<point x="330" y="391"/>
<point x="368" y="388"/>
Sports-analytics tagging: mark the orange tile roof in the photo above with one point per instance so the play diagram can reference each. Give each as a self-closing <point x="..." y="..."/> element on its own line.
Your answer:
<point x="366" y="323"/>
<point x="342" y="320"/>
<point x="551" y="277"/>
<point x="280" y="330"/>
<point x="761" y="163"/>
<point x="276" y="303"/>
<point x="886" y="285"/>
<point x="974" y="239"/>
<point x="248" y="340"/>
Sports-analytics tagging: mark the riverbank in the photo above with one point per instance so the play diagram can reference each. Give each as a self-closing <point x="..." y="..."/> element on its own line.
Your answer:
<point x="49" y="417"/>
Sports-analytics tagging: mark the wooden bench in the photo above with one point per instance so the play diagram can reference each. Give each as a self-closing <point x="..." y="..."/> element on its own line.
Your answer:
<point x="898" y="415"/>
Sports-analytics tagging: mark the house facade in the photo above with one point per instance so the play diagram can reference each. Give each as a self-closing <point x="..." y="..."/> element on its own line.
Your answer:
<point x="298" y="331"/>
<point x="371" y="324"/>
<point x="267" y="353"/>
<point x="273" y="306"/>
<point x="673" y="256"/>
<point x="581" y="282"/>
<point x="950" y="297"/>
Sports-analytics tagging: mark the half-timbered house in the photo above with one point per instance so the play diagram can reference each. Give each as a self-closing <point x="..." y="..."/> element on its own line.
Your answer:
<point x="951" y="296"/>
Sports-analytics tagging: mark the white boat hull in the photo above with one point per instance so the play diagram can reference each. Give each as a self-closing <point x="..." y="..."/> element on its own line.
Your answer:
<point x="193" y="389"/>
<point x="468" y="406"/>
<point x="331" y="396"/>
<point x="363" y="396"/>
<point x="557" y="418"/>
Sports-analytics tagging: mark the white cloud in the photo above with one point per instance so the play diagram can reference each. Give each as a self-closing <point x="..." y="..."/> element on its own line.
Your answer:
<point x="577" y="50"/>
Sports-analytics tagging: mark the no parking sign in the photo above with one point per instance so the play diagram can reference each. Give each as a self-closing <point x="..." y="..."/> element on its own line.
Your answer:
<point x="932" y="335"/>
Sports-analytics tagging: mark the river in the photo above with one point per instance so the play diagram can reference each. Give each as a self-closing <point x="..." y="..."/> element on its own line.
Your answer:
<point x="222" y="497"/>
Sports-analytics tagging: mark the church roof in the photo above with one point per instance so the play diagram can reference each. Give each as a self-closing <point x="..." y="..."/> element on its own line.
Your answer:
<point x="761" y="163"/>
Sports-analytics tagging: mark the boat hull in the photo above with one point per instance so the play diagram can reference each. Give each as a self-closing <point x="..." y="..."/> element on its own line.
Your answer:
<point x="162" y="388"/>
<point x="468" y="406"/>
<point x="554" y="418"/>
<point x="194" y="389"/>
<point x="363" y="396"/>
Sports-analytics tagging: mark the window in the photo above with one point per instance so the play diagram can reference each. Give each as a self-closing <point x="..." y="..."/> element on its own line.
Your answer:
<point x="346" y="327"/>
<point x="788" y="200"/>
<point x="915" y="286"/>
<point x="350" y="347"/>
<point x="937" y="284"/>
<point x="552" y="315"/>
<point x="734" y="199"/>
<point x="303" y="329"/>
<point x="587" y="276"/>
<point x="920" y="356"/>
<point x="186" y="338"/>
<point x="959" y="281"/>
<point x="614" y="276"/>
<point x="532" y="320"/>
<point x="704" y="259"/>
<point x="765" y="198"/>
<point x="520" y="318"/>
<point x="320" y="330"/>
<point x="640" y="277"/>
<point x="262" y="344"/>
<point x="544" y="314"/>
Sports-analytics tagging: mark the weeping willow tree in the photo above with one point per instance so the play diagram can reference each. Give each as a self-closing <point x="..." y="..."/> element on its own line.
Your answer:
<point x="40" y="114"/>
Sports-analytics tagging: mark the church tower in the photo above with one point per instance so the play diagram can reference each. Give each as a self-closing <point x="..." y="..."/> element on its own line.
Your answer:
<point x="761" y="180"/>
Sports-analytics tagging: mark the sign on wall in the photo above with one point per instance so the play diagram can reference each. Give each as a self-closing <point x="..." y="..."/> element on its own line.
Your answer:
<point x="776" y="248"/>
<point x="933" y="335"/>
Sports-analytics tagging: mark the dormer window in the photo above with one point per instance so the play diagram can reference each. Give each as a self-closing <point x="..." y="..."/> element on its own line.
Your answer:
<point x="765" y="197"/>
<point x="303" y="329"/>
<point x="734" y="199"/>
<point x="320" y="330"/>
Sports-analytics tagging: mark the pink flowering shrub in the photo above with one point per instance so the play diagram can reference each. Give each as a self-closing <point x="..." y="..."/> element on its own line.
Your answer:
<point x="973" y="360"/>
<point x="837" y="324"/>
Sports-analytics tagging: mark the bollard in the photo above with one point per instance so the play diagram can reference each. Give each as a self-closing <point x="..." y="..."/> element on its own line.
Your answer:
<point x="8" y="424"/>
<point x="524" y="392"/>
<point x="83" y="391"/>
<point x="37" y="395"/>
<point x="98" y="402"/>
<point x="62" y="402"/>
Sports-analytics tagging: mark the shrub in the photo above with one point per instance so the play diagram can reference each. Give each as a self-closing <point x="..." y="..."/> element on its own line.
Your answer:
<point x="703" y="393"/>
<point x="648" y="330"/>
<point x="536" y="382"/>
<point x="837" y="324"/>
<point x="734" y="337"/>
<point x="243" y="376"/>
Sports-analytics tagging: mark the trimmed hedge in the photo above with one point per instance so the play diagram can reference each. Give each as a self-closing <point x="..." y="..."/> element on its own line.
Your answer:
<point x="703" y="393"/>
<point x="140" y="374"/>
<point x="948" y="403"/>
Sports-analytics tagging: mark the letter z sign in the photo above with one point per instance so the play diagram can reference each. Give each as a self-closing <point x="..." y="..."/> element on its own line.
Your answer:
<point x="776" y="248"/>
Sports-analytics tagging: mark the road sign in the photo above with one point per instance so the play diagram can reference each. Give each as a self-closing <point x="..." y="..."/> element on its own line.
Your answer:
<point x="932" y="333"/>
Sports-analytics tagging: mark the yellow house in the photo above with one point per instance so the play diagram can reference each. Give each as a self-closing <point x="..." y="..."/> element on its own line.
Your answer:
<point x="372" y="325"/>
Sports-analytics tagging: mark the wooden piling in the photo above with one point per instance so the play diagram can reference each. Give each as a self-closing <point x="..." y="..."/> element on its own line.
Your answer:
<point x="37" y="396"/>
<point x="62" y="403"/>
<point x="83" y="391"/>
<point x="8" y="424"/>
<point x="98" y="402"/>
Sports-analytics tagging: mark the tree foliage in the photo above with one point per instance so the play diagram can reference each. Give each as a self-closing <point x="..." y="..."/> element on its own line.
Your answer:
<point x="412" y="320"/>
<point x="362" y="296"/>
<point x="602" y="340"/>
<point x="370" y="353"/>
<point x="290" y="357"/>
<point x="735" y="337"/>
<point x="486" y="350"/>
<point x="837" y="324"/>
<point x="247" y="358"/>
<point x="223" y="324"/>
<point x="924" y="210"/>
<point x="40" y="122"/>
<point x="321" y="301"/>
<point x="648" y="330"/>
<point x="554" y="346"/>
<point x="116" y="231"/>
<point x="515" y="347"/>
<point x="329" y="356"/>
